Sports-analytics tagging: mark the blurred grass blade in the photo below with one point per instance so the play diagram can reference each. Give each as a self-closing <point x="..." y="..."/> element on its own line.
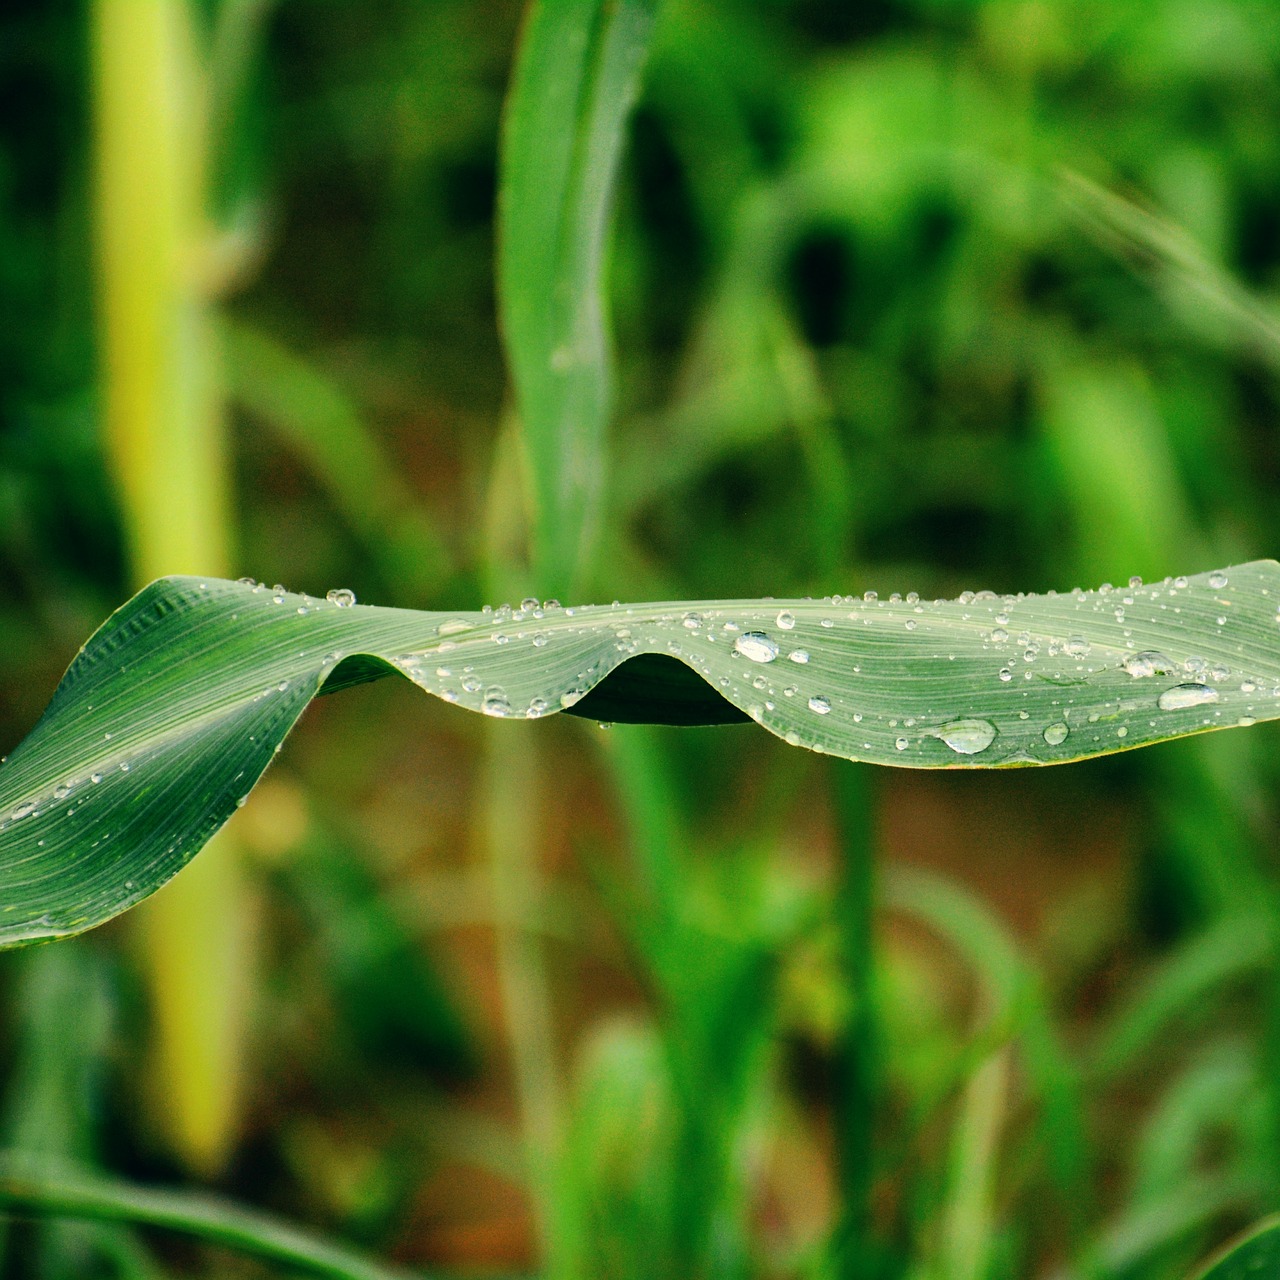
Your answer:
<point x="575" y="79"/>
<point x="309" y="411"/>
<point x="36" y="1187"/>
<point x="1257" y="1254"/>
<point x="1163" y="250"/>
<point x="174" y="708"/>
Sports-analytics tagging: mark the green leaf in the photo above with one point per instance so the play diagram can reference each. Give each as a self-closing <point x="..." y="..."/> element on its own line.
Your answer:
<point x="1256" y="1256"/>
<point x="37" y="1186"/>
<point x="576" y="77"/>
<point x="178" y="703"/>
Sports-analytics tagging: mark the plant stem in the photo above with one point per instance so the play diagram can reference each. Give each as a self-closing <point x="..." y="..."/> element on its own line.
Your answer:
<point x="857" y="1084"/>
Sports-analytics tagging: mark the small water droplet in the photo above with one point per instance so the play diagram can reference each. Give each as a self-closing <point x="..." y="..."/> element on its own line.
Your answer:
<point x="95" y="777"/>
<point x="343" y="597"/>
<point x="539" y="639"/>
<point x="495" y="702"/>
<point x="999" y="635"/>
<point x="819" y="704"/>
<point x="1005" y="674"/>
<point x="471" y="684"/>
<point x="967" y="737"/>
<point x="901" y="744"/>
<point x="910" y="624"/>
<point x="1180" y="582"/>
<point x="1055" y="734"/>
<point x="538" y="707"/>
<point x="248" y="582"/>
<point x="572" y="696"/>
<point x="528" y="604"/>
<point x="692" y="621"/>
<point x="500" y="638"/>
<point x="1122" y="732"/>
<point x="1186" y="695"/>
<point x="1218" y="673"/>
<point x="757" y="646"/>
<point x="1076" y="646"/>
<point x="799" y="655"/>
<point x="1218" y="580"/>
<point x="1135" y="581"/>
<point x="786" y="620"/>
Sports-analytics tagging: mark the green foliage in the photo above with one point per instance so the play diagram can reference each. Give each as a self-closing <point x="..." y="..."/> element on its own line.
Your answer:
<point x="906" y="295"/>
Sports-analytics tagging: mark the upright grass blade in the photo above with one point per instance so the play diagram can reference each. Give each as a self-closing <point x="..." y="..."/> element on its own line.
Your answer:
<point x="179" y="702"/>
<point x="575" y="79"/>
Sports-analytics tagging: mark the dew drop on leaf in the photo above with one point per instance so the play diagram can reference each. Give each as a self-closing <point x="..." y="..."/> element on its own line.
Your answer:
<point x="1055" y="734"/>
<point x="757" y="646"/>
<point x="967" y="737"/>
<point x="1186" y="695"/>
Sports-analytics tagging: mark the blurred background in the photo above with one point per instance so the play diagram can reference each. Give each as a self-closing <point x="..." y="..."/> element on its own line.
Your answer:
<point x="921" y="295"/>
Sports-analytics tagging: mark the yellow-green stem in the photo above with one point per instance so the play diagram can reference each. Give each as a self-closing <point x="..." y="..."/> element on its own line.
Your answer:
<point x="165" y="441"/>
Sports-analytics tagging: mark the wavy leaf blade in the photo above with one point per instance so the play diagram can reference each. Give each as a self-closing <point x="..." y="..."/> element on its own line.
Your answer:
<point x="179" y="702"/>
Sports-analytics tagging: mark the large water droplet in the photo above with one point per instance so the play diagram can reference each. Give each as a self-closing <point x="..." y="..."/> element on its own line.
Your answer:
<point x="1186" y="695"/>
<point x="1055" y="734"/>
<point x="967" y="737"/>
<point x="1149" y="663"/>
<point x="819" y="704"/>
<point x="1218" y="580"/>
<point x="757" y="646"/>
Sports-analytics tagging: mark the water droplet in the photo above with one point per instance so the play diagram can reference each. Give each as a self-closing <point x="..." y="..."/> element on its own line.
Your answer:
<point x="248" y="582"/>
<point x="1218" y="673"/>
<point x="1077" y="646"/>
<point x="572" y="696"/>
<point x="471" y="684"/>
<point x="343" y="597"/>
<point x="1122" y="732"/>
<point x="1218" y="580"/>
<point x="282" y="686"/>
<point x="1180" y="582"/>
<point x="538" y="707"/>
<point x="62" y="791"/>
<point x="495" y="702"/>
<point x="757" y="646"/>
<point x="1055" y="734"/>
<point x="528" y="604"/>
<point x="799" y="655"/>
<point x="539" y="639"/>
<point x="819" y="704"/>
<point x="95" y="777"/>
<point x="1186" y="695"/>
<point x="786" y="620"/>
<point x="901" y="744"/>
<point x="1148" y="663"/>
<point x="870" y="597"/>
<point x="910" y="624"/>
<point x="500" y="638"/>
<point x="967" y="737"/>
<point x="692" y="620"/>
<point x="999" y="635"/>
<point x="1005" y="674"/>
<point x="1135" y="581"/>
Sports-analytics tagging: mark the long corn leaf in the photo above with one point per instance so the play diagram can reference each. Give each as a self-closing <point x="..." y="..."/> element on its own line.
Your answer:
<point x="178" y="703"/>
